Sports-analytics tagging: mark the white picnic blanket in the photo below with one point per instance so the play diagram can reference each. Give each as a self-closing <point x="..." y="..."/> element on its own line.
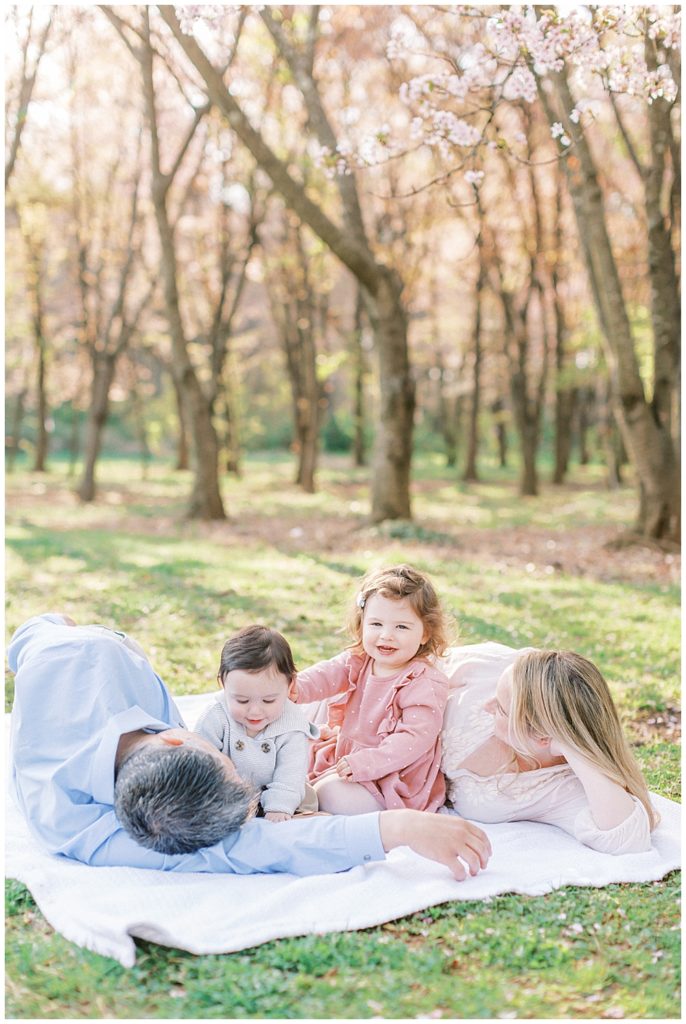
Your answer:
<point x="103" y="909"/>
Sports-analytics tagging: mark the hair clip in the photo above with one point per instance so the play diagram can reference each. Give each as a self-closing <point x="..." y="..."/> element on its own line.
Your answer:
<point x="360" y="600"/>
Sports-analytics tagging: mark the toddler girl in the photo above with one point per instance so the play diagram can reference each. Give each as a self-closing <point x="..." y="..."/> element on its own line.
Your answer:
<point x="382" y="748"/>
<point x="255" y="724"/>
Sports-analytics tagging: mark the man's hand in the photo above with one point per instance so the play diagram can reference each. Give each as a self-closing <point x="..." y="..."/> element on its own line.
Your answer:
<point x="343" y="769"/>
<point x="440" y="837"/>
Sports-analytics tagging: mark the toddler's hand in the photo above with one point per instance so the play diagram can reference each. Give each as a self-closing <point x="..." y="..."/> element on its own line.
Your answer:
<point x="277" y="816"/>
<point x="343" y="769"/>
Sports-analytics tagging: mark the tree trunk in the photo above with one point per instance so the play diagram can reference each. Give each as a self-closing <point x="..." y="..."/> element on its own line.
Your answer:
<point x="664" y="286"/>
<point x="359" y="370"/>
<point x="610" y="441"/>
<point x="565" y="395"/>
<point x="15" y="431"/>
<point x="393" y="442"/>
<point x="648" y="441"/>
<point x="470" y="470"/>
<point x="498" y="411"/>
<point x="291" y="295"/>
<point x="140" y="427"/>
<point x="73" y="440"/>
<point x="585" y="416"/>
<point x="232" y="443"/>
<point x="451" y="419"/>
<point x="41" y="452"/>
<point x="103" y="375"/>
<point x="527" y="410"/>
<point x="182" y="453"/>
<point x="527" y="419"/>
<point x="528" y="484"/>
<point x="205" y="499"/>
<point x="565" y="401"/>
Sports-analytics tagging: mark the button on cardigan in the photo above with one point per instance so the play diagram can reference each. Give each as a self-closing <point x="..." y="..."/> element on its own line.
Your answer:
<point x="276" y="760"/>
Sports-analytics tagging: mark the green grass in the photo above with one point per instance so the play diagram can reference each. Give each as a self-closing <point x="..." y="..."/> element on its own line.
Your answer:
<point x="291" y="560"/>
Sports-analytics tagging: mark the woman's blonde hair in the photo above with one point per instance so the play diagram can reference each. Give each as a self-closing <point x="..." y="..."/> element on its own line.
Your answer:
<point x="563" y="695"/>
<point x="397" y="582"/>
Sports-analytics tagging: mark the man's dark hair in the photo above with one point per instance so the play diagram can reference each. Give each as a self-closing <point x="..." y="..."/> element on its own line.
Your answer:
<point x="179" y="799"/>
<point x="254" y="648"/>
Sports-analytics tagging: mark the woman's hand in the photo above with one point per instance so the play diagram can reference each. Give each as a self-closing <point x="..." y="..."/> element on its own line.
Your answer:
<point x="277" y="816"/>
<point x="343" y="769"/>
<point x="559" y="748"/>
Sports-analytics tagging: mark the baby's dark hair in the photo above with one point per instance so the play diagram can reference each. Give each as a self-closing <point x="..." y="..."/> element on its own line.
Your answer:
<point x="397" y="582"/>
<point x="254" y="648"/>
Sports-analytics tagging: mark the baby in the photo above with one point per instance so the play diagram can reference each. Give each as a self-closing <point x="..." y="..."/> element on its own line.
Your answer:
<point x="256" y="725"/>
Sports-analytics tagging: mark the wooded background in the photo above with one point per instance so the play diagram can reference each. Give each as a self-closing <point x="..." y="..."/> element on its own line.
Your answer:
<point x="373" y="229"/>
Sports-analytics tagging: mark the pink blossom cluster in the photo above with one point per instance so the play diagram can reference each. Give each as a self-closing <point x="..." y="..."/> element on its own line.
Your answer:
<point x="520" y="84"/>
<point x="605" y="40"/>
<point x="518" y="46"/>
<point x="627" y="72"/>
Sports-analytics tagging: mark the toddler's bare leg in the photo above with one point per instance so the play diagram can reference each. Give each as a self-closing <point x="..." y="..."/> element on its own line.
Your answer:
<point x="339" y="797"/>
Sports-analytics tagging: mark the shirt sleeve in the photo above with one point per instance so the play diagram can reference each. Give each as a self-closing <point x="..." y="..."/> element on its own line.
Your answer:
<point x="567" y="807"/>
<point x="415" y="734"/>
<point x="287" y="788"/>
<point x="302" y="846"/>
<point x="631" y="835"/>
<point x="323" y="679"/>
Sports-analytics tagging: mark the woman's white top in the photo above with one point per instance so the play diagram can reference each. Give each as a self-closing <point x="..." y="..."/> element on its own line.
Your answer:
<point x="553" y="795"/>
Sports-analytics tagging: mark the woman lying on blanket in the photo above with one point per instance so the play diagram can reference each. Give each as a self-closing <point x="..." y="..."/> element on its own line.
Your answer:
<point x="541" y="741"/>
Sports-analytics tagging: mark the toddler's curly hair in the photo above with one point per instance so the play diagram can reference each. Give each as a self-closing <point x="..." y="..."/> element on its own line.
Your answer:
<point x="397" y="582"/>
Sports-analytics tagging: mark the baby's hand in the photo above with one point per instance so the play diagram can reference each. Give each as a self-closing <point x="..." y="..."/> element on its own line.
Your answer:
<point x="343" y="769"/>
<point x="277" y="816"/>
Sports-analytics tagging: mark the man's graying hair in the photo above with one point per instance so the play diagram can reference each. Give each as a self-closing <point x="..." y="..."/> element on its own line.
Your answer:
<point x="179" y="799"/>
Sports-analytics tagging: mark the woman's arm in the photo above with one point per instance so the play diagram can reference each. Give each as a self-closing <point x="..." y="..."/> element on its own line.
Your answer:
<point x="609" y="803"/>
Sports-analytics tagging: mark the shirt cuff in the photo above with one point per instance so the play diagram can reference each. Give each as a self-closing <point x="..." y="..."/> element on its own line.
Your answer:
<point x="631" y="835"/>
<point x="363" y="838"/>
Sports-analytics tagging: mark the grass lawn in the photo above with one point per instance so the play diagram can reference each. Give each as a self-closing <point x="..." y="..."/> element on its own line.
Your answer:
<point x="520" y="571"/>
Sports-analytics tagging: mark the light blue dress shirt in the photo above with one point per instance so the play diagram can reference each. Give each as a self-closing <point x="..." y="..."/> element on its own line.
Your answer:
<point x="77" y="690"/>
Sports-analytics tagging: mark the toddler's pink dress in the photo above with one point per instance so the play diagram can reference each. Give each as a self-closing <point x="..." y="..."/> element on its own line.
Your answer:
<point x="387" y="727"/>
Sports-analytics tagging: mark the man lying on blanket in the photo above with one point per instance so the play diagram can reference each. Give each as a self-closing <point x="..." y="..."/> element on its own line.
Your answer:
<point x="106" y="773"/>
